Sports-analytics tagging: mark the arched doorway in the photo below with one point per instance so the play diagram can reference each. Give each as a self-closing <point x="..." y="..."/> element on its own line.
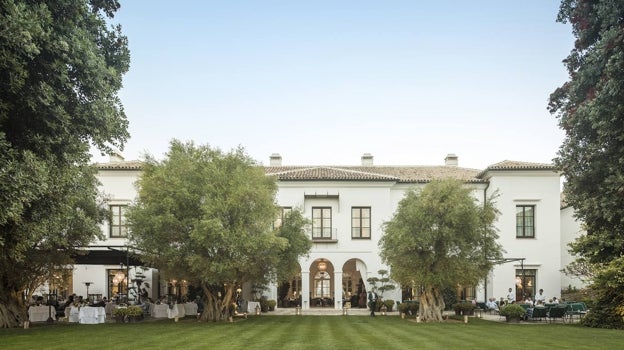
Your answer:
<point x="353" y="286"/>
<point x="321" y="283"/>
<point x="289" y="291"/>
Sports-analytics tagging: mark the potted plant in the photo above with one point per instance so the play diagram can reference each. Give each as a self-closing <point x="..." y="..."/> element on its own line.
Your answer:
<point x="513" y="312"/>
<point x="464" y="308"/>
<point x="389" y="304"/>
<point x="414" y="307"/>
<point x="403" y="309"/>
<point x="134" y="313"/>
<point x="120" y="314"/>
<point x="271" y="304"/>
<point x="264" y="304"/>
<point x="128" y="314"/>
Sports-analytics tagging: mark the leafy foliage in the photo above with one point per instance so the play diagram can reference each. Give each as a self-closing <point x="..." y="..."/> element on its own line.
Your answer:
<point x="464" y="307"/>
<point x="385" y="284"/>
<point x="206" y="216"/>
<point x="440" y="236"/>
<point x="590" y="108"/>
<point x="292" y="229"/>
<point x="513" y="311"/>
<point x="609" y="286"/>
<point x="60" y="71"/>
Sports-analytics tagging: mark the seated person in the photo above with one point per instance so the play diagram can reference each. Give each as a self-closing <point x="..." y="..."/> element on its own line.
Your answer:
<point x="529" y="313"/>
<point x="101" y="303"/>
<point x="74" y="310"/>
<point x="492" y="304"/>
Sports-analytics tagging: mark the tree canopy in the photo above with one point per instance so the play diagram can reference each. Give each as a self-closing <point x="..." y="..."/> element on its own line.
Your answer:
<point x="206" y="216"/>
<point x="440" y="237"/>
<point x="61" y="67"/>
<point x="590" y="109"/>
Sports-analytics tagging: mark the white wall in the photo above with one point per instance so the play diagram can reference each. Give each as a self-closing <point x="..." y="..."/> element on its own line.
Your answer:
<point x="570" y="230"/>
<point x="546" y="252"/>
<point x="118" y="188"/>
<point x="542" y="252"/>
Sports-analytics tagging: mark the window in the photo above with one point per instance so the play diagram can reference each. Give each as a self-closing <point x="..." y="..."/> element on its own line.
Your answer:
<point x="525" y="221"/>
<point x="466" y="293"/>
<point x="361" y="222"/>
<point x="118" y="226"/>
<point x="280" y="217"/>
<point x="117" y="282"/>
<point x="525" y="284"/>
<point x="321" y="222"/>
<point x="322" y="283"/>
<point x="295" y="287"/>
<point x="347" y="283"/>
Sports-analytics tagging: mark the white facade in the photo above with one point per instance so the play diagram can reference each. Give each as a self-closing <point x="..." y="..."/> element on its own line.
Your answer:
<point x="542" y="253"/>
<point x="570" y="230"/>
<point x="337" y="191"/>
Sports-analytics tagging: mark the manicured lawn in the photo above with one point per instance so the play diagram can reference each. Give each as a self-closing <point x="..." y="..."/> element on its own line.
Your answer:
<point x="311" y="332"/>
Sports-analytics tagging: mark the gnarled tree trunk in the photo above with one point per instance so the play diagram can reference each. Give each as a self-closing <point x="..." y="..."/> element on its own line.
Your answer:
<point x="12" y="312"/>
<point x="216" y="305"/>
<point x="431" y="305"/>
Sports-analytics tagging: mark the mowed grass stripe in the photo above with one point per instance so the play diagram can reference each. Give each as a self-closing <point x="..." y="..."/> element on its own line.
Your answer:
<point x="368" y="329"/>
<point x="311" y="332"/>
<point x="351" y="330"/>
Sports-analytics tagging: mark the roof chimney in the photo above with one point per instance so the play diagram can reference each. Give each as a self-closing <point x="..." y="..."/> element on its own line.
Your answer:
<point x="275" y="159"/>
<point x="115" y="157"/>
<point x="451" y="160"/>
<point x="367" y="159"/>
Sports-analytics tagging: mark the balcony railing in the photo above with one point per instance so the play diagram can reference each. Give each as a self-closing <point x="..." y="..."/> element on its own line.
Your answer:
<point x="324" y="235"/>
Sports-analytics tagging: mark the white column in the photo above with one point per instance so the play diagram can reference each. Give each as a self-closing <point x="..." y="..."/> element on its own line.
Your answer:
<point x="273" y="293"/>
<point x="338" y="290"/>
<point x="305" y="289"/>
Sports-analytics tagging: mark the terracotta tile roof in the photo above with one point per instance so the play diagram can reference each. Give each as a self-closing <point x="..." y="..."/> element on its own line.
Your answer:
<point x="123" y="165"/>
<point x="408" y="174"/>
<point x="516" y="165"/>
<point x="401" y="174"/>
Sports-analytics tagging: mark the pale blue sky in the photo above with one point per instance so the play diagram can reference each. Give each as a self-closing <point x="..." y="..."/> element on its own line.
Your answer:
<point x="322" y="82"/>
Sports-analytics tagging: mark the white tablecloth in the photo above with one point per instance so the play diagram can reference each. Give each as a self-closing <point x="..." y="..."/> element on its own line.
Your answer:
<point x="190" y="309"/>
<point x="251" y="306"/>
<point x="159" y="310"/>
<point x="109" y="308"/>
<point x="41" y="313"/>
<point x="92" y="315"/>
<point x="72" y="313"/>
<point x="163" y="311"/>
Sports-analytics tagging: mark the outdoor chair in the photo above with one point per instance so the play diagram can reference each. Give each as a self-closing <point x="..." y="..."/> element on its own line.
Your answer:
<point x="539" y="313"/>
<point x="576" y="309"/>
<point x="557" y="312"/>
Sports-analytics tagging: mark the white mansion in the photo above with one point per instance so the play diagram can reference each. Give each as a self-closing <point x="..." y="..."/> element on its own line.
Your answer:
<point x="347" y="206"/>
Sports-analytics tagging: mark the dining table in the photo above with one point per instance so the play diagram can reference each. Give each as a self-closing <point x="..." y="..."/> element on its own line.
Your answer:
<point x="190" y="308"/>
<point x="164" y="311"/>
<point x="92" y="315"/>
<point x="251" y="306"/>
<point x="41" y="313"/>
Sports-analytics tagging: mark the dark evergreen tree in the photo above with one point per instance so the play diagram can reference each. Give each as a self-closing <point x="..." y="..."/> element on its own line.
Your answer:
<point x="61" y="67"/>
<point x="590" y="109"/>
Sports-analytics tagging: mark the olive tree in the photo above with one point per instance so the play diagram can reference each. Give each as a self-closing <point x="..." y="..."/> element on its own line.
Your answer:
<point x="440" y="236"/>
<point x="206" y="216"/>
